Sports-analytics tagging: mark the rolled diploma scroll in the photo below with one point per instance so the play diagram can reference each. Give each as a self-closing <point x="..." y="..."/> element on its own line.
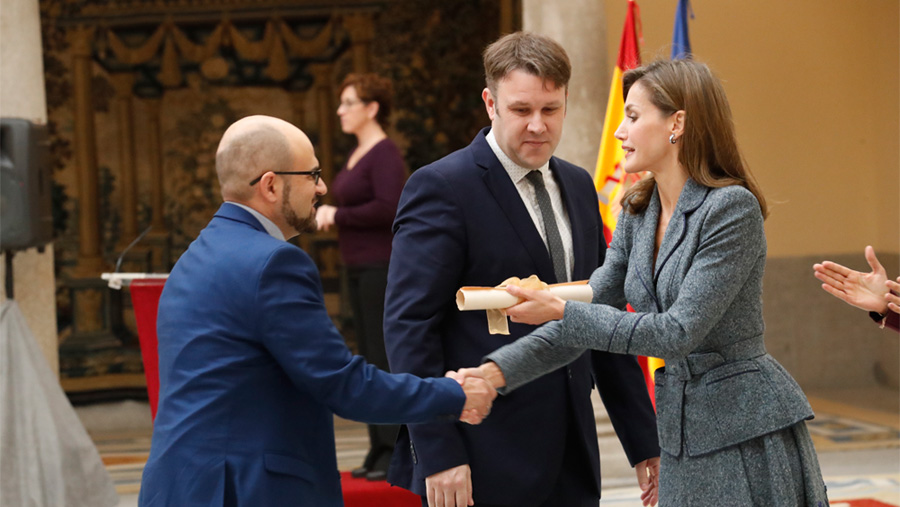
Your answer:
<point x="493" y="298"/>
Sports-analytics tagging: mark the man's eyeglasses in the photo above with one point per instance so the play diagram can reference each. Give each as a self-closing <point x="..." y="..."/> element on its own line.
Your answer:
<point x="316" y="174"/>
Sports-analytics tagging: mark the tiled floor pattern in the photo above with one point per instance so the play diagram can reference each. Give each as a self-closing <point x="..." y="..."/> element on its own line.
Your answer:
<point x="842" y="427"/>
<point x="124" y="455"/>
<point x="837" y="427"/>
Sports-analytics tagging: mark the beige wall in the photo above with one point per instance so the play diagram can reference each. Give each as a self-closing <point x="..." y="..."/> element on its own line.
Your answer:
<point x="22" y="96"/>
<point x="815" y="90"/>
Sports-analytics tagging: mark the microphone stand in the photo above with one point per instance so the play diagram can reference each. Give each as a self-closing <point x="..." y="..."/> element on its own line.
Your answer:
<point x="127" y="248"/>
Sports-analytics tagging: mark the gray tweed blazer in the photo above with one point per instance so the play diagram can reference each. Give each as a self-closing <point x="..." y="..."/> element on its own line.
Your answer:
<point x="699" y="308"/>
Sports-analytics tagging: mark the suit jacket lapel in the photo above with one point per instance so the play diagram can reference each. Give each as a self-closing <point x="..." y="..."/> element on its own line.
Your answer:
<point x="692" y="196"/>
<point x="644" y="244"/>
<point x="504" y="191"/>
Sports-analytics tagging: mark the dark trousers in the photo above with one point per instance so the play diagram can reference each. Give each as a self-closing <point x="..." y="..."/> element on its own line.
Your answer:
<point x="574" y="486"/>
<point x="366" y="287"/>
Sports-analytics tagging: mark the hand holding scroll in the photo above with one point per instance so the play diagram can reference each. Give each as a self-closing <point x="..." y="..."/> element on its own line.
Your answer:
<point x="496" y="299"/>
<point x="535" y="306"/>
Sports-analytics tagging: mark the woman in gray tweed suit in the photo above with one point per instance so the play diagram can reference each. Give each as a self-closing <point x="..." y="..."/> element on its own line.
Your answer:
<point x="688" y="253"/>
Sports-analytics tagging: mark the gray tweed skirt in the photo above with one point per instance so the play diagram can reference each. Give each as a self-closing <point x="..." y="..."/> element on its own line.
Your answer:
<point x="778" y="469"/>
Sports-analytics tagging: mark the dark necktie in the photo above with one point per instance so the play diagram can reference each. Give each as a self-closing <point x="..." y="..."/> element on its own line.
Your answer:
<point x="554" y="241"/>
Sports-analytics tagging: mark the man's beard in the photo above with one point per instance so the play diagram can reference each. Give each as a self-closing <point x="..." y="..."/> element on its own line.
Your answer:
<point x="300" y="225"/>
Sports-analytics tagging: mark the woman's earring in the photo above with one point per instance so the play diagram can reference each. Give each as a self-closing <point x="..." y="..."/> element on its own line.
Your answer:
<point x="672" y="138"/>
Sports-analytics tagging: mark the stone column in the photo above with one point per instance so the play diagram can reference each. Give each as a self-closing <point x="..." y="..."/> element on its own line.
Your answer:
<point x="326" y="114"/>
<point x="158" y="237"/>
<point x="90" y="260"/>
<point x="362" y="32"/>
<point x="580" y="26"/>
<point x="123" y="84"/>
<point x="22" y="96"/>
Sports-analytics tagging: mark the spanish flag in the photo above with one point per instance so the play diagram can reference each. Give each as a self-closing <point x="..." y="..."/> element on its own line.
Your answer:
<point x="610" y="180"/>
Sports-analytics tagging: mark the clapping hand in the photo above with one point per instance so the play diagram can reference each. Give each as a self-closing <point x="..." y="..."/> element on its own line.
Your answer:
<point x="892" y="297"/>
<point x="867" y="291"/>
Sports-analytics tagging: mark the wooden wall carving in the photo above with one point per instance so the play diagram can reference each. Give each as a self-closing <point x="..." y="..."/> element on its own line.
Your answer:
<point x="171" y="75"/>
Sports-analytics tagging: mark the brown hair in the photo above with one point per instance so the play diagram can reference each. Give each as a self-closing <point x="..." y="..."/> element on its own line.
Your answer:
<point x="372" y="88"/>
<point x="709" y="150"/>
<point x="535" y="54"/>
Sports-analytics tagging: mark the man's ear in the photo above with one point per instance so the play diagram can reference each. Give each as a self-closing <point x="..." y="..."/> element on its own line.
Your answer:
<point x="489" y="103"/>
<point x="269" y="187"/>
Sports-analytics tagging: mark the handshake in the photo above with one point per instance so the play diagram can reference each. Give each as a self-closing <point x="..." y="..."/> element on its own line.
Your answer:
<point x="480" y="385"/>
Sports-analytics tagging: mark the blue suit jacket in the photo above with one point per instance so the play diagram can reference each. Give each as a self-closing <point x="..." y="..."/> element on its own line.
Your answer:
<point x="462" y="222"/>
<point x="252" y="371"/>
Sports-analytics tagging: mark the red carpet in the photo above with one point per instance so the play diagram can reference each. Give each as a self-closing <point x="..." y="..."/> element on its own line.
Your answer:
<point x="363" y="493"/>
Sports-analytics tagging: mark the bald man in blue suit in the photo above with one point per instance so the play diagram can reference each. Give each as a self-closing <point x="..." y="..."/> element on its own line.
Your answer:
<point x="251" y="367"/>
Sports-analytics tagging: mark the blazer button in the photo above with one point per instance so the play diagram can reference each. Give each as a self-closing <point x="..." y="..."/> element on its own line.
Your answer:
<point x="569" y="371"/>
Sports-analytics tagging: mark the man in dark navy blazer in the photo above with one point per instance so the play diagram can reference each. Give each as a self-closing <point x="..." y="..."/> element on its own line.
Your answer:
<point x="477" y="217"/>
<point x="251" y="367"/>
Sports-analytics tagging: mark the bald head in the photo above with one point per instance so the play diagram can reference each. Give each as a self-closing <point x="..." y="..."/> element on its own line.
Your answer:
<point x="254" y="145"/>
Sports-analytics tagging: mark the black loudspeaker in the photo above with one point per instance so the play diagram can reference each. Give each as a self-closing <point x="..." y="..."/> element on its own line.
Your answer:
<point x="26" y="215"/>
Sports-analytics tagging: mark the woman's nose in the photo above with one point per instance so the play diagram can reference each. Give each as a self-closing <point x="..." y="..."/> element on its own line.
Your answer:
<point x="620" y="131"/>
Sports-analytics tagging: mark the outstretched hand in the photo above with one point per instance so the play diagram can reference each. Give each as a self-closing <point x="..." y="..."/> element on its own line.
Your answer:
<point x="535" y="306"/>
<point x="488" y="371"/>
<point x="480" y="395"/>
<point x="867" y="291"/>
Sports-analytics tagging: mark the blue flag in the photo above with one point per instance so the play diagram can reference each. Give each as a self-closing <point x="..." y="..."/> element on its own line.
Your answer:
<point x="681" y="43"/>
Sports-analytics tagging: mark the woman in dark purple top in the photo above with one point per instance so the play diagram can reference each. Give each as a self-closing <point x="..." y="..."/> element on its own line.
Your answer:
<point x="366" y="192"/>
